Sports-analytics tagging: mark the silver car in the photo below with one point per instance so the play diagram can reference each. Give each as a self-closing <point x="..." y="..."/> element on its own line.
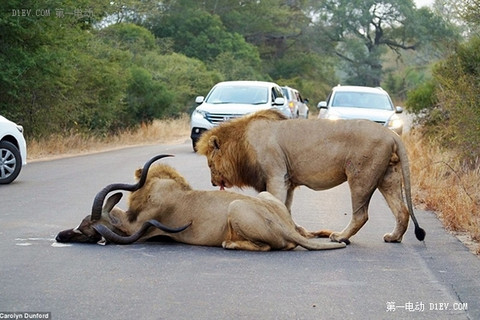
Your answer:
<point x="296" y="104"/>
<point x="357" y="102"/>
<point x="13" y="150"/>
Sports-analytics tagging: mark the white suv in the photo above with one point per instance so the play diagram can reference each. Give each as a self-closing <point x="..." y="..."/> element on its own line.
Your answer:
<point x="13" y="150"/>
<point x="356" y="102"/>
<point x="233" y="99"/>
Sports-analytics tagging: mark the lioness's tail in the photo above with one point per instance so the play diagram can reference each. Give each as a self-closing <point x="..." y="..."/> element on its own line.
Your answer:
<point x="402" y="154"/>
<point x="312" y="244"/>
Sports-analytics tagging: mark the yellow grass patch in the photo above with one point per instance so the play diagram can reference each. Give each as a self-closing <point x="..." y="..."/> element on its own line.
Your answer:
<point x="160" y="131"/>
<point x="442" y="184"/>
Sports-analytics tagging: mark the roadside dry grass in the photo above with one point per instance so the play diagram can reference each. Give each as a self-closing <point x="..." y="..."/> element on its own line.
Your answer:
<point x="160" y="131"/>
<point x="439" y="181"/>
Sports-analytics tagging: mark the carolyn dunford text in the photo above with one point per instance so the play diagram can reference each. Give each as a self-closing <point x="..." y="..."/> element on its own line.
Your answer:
<point x="25" y="315"/>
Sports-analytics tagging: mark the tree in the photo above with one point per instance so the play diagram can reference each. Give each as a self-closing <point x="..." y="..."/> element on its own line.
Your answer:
<point x="184" y="77"/>
<point x="448" y="104"/>
<point x="199" y="34"/>
<point x="147" y="99"/>
<point x="361" y="31"/>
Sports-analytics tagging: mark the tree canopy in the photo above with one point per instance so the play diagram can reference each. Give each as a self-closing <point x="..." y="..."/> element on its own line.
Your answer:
<point x="361" y="31"/>
<point x="100" y="66"/>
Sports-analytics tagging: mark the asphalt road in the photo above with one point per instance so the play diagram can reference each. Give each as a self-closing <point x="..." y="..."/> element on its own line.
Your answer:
<point x="370" y="279"/>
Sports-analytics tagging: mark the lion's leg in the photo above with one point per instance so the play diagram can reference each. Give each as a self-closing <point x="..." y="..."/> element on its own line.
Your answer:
<point x="289" y="199"/>
<point x="286" y="196"/>
<point x="359" y="218"/>
<point x="288" y="203"/>
<point x="246" y="228"/>
<point x="245" y="245"/>
<point x="236" y="241"/>
<point x="391" y="188"/>
<point x="278" y="188"/>
<point x="360" y="202"/>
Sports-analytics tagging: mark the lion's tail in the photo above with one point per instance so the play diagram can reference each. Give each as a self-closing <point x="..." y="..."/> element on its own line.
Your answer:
<point x="312" y="244"/>
<point x="402" y="154"/>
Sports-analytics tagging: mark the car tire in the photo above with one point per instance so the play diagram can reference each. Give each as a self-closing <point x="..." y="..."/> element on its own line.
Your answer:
<point x="194" y="145"/>
<point x="10" y="162"/>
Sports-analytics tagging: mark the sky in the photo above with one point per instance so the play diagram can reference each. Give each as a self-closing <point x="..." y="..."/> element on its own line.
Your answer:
<point x="421" y="3"/>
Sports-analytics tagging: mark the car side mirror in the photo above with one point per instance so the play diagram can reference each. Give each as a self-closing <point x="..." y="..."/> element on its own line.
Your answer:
<point x="322" y="105"/>
<point x="199" y="99"/>
<point x="279" y="101"/>
<point x="398" y="109"/>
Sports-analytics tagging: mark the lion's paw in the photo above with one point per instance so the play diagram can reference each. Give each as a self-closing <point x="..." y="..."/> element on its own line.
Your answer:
<point x="391" y="238"/>
<point x="229" y="245"/>
<point x="337" y="237"/>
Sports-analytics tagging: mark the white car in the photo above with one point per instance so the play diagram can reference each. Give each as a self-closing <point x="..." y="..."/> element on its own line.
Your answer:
<point x="357" y="102"/>
<point x="13" y="150"/>
<point x="232" y="99"/>
<point x="296" y="104"/>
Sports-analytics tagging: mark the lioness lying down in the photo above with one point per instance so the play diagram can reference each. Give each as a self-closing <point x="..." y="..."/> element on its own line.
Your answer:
<point x="263" y="151"/>
<point x="209" y="218"/>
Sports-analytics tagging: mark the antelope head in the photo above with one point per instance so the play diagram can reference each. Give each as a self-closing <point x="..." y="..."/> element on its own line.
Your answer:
<point x="105" y="221"/>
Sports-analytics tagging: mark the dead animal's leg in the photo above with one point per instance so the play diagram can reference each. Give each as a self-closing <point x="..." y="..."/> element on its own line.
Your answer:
<point x="323" y="233"/>
<point x="304" y="232"/>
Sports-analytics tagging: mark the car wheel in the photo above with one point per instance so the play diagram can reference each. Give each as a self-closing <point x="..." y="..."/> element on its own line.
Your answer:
<point x="194" y="144"/>
<point x="10" y="162"/>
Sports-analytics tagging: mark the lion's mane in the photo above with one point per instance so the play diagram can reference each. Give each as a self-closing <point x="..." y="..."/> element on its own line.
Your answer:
<point x="238" y="158"/>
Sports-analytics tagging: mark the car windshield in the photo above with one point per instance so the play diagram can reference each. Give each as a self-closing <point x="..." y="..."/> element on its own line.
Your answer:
<point x="238" y="94"/>
<point x="361" y="100"/>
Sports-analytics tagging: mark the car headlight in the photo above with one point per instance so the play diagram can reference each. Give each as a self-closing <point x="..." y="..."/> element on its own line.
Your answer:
<point x="332" y="116"/>
<point x="395" y="123"/>
<point x="200" y="113"/>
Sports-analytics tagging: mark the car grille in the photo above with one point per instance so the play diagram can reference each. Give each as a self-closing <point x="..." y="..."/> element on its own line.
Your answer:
<point x="217" y="118"/>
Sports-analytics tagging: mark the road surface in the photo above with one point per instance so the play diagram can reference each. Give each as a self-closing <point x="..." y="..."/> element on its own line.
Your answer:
<point x="370" y="279"/>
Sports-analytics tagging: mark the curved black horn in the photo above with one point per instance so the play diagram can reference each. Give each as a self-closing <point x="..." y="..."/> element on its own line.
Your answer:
<point x="111" y="236"/>
<point x="100" y="197"/>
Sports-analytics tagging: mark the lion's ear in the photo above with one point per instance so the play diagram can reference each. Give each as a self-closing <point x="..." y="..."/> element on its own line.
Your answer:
<point x="138" y="173"/>
<point x="214" y="143"/>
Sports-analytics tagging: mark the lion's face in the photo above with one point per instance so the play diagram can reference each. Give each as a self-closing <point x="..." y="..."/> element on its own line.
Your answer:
<point x="217" y="178"/>
<point x="216" y="164"/>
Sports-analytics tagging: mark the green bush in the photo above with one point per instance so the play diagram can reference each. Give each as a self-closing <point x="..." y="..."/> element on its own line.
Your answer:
<point x="422" y="99"/>
<point x="147" y="99"/>
<point x="449" y="104"/>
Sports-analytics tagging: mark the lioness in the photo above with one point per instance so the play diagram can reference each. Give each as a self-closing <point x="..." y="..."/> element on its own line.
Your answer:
<point x="263" y="151"/>
<point x="209" y="218"/>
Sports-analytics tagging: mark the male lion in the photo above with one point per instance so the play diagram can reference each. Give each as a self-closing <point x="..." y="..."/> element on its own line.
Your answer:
<point x="264" y="151"/>
<point x="211" y="218"/>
